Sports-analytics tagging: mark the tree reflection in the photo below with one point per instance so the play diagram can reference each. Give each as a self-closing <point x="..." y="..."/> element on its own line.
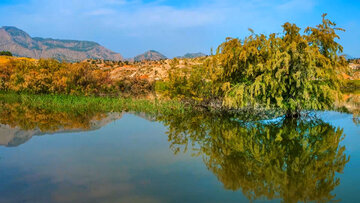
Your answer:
<point x="28" y="117"/>
<point x="294" y="160"/>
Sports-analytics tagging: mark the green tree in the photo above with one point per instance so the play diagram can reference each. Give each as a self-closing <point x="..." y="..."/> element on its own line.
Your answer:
<point x="5" y="53"/>
<point x="291" y="71"/>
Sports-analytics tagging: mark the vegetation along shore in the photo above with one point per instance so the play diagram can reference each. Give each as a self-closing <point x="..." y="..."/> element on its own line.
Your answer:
<point x="290" y="72"/>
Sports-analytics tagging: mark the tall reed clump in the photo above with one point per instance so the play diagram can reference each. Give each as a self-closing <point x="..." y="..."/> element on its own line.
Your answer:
<point x="82" y="104"/>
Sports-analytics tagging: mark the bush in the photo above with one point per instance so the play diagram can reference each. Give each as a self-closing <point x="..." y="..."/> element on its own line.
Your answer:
<point x="135" y="86"/>
<point x="51" y="76"/>
<point x="5" y="53"/>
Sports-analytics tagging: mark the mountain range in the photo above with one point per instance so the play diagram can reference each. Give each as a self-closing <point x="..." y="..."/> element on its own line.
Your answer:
<point x="19" y="43"/>
<point x="192" y="55"/>
<point x="150" y="55"/>
<point x="153" y="55"/>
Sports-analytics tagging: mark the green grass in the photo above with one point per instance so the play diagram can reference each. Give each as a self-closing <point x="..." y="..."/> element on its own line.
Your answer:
<point x="65" y="103"/>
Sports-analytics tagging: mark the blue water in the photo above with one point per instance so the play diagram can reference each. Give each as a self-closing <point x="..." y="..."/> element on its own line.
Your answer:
<point x="131" y="160"/>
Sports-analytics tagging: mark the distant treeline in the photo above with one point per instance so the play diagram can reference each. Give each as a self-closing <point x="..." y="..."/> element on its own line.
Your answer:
<point x="355" y="60"/>
<point x="5" y="53"/>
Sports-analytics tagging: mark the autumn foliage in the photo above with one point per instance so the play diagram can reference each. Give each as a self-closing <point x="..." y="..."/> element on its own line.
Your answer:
<point x="50" y="76"/>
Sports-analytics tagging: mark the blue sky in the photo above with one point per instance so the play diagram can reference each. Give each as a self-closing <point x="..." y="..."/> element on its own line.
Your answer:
<point x="174" y="28"/>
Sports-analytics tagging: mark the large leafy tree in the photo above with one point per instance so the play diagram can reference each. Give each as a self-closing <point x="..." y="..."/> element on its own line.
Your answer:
<point x="290" y="71"/>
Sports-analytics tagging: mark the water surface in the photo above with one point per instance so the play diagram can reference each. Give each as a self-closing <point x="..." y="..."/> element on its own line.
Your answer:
<point x="187" y="157"/>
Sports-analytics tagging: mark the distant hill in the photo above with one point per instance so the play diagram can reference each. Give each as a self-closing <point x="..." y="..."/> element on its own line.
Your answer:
<point x="347" y="56"/>
<point x="19" y="43"/>
<point x="192" y="55"/>
<point x="150" y="55"/>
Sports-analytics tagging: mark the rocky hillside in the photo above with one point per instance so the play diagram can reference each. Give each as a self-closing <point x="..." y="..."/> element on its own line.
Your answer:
<point x="20" y="43"/>
<point x="150" y="55"/>
<point x="192" y="55"/>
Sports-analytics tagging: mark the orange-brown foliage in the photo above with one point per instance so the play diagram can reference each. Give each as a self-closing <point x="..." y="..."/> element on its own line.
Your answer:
<point x="51" y="76"/>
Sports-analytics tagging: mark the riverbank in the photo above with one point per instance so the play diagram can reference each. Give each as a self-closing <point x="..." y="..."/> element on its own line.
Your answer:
<point x="117" y="85"/>
<point x="66" y="103"/>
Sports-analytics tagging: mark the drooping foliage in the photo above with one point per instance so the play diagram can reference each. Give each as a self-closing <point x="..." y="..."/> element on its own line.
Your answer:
<point x="290" y="71"/>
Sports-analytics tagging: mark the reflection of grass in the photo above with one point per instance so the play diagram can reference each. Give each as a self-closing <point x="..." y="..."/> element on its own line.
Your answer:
<point x="81" y="104"/>
<point x="53" y="112"/>
<point x="352" y="86"/>
<point x="50" y="113"/>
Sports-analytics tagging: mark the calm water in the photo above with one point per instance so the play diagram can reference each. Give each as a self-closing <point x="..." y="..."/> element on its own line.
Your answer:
<point x="123" y="157"/>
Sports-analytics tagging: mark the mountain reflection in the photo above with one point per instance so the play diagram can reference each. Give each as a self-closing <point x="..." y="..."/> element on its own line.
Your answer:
<point x="292" y="160"/>
<point x="19" y="122"/>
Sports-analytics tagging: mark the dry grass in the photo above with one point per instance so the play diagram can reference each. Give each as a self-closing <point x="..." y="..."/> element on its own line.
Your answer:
<point x="6" y="59"/>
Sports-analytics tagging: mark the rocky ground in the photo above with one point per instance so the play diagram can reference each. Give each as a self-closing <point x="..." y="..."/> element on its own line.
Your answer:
<point x="355" y="71"/>
<point x="149" y="70"/>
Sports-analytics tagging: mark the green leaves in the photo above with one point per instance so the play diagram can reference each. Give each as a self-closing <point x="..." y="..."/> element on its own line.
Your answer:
<point x="290" y="71"/>
<point x="282" y="71"/>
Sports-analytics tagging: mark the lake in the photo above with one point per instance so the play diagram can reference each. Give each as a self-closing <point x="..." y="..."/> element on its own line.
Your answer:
<point x="180" y="157"/>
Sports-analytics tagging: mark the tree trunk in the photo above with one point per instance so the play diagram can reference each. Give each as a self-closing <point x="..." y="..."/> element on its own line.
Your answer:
<point x="292" y="114"/>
